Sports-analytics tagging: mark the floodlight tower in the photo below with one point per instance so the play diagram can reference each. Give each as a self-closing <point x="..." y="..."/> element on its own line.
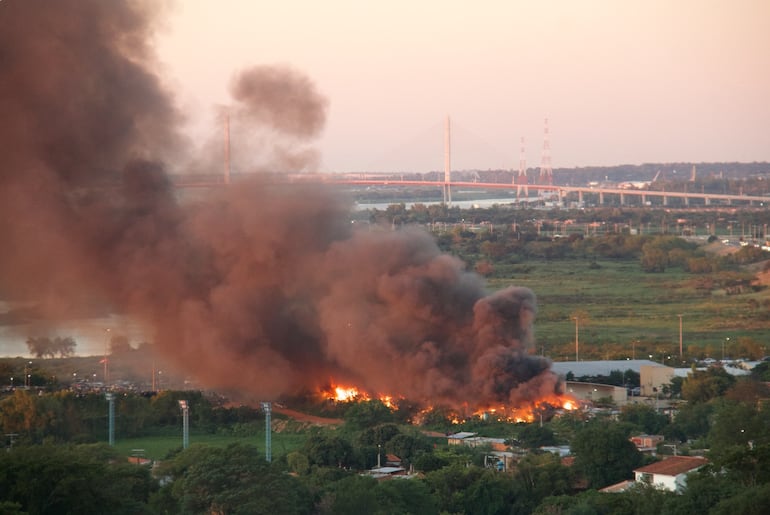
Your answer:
<point x="268" y="409"/>
<point x="185" y="423"/>
<point x="111" y="417"/>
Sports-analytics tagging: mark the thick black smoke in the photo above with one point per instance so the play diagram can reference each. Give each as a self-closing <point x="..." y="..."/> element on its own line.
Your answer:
<point x="263" y="287"/>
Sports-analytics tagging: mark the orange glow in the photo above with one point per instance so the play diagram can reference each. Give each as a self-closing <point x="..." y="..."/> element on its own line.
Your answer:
<point x="520" y="414"/>
<point x="345" y="394"/>
<point x="339" y="393"/>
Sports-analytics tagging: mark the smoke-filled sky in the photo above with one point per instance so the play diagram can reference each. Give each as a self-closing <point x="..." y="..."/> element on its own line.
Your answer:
<point x="621" y="82"/>
<point x="263" y="287"/>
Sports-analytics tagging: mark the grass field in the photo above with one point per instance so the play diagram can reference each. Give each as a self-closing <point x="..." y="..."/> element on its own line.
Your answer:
<point x="157" y="447"/>
<point x="623" y="311"/>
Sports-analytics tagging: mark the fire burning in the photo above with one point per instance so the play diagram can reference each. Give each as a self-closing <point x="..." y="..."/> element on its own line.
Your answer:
<point x="339" y="393"/>
<point x="525" y="413"/>
<point x="263" y="287"/>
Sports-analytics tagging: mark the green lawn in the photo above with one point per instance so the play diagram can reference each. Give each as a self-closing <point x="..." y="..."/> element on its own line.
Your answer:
<point x="157" y="447"/>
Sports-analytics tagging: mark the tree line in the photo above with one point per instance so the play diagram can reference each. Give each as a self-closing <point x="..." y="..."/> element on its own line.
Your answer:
<point x="723" y="416"/>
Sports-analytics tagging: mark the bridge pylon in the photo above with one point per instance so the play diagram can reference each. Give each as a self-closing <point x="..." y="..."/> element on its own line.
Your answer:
<point x="521" y="179"/>
<point x="546" y="172"/>
<point x="446" y="188"/>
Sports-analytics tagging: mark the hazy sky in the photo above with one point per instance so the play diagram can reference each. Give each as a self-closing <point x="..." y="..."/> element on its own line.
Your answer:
<point x="621" y="81"/>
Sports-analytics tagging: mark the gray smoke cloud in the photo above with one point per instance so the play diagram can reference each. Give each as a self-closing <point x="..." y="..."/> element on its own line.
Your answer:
<point x="264" y="287"/>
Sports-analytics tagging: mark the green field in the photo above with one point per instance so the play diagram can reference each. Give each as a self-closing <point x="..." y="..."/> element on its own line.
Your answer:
<point x="623" y="311"/>
<point x="158" y="447"/>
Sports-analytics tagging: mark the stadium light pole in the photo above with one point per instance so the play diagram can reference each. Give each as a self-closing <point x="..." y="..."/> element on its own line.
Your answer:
<point x="111" y="418"/>
<point x="185" y="423"/>
<point x="268" y="409"/>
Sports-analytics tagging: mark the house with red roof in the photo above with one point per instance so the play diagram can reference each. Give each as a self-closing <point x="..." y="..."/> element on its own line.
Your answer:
<point x="670" y="473"/>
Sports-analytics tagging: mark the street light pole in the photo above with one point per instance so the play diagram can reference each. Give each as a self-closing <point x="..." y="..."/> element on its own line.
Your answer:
<point x="680" y="337"/>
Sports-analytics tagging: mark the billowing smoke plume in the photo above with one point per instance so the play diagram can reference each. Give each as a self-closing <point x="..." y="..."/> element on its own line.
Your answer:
<point x="262" y="287"/>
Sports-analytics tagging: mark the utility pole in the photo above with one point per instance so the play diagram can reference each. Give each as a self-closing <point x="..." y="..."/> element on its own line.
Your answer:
<point x="680" y="337"/>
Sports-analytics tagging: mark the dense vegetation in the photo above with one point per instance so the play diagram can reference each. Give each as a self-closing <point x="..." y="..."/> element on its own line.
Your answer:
<point x="723" y="416"/>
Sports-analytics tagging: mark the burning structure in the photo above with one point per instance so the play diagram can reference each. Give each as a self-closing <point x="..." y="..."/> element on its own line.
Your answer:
<point x="265" y="288"/>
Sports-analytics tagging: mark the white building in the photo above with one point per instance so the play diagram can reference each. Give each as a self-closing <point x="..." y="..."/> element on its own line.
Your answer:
<point x="671" y="473"/>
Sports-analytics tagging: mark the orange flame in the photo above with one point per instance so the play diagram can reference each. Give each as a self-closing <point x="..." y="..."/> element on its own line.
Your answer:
<point x="526" y="413"/>
<point x="339" y="393"/>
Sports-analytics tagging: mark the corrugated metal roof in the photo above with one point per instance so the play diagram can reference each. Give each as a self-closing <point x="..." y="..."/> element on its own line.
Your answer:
<point x="462" y="435"/>
<point x="596" y="368"/>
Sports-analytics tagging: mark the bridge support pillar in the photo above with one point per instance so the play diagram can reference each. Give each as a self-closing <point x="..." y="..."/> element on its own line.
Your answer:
<point x="665" y="200"/>
<point x="622" y="199"/>
<point x="601" y="198"/>
<point x="580" y="197"/>
<point x="707" y="200"/>
<point x="644" y="199"/>
<point x="687" y="201"/>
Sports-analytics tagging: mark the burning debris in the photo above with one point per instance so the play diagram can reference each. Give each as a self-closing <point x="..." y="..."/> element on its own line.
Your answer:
<point x="262" y="288"/>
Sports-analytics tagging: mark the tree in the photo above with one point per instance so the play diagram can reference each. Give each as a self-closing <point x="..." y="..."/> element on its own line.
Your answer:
<point x="693" y="419"/>
<point x="64" y="347"/>
<point x="533" y="436"/>
<point x="405" y="497"/>
<point x="748" y="390"/>
<point x="368" y="414"/>
<point x="428" y="462"/>
<point x="86" y="479"/>
<point x="352" y="495"/>
<point x="407" y="446"/>
<point x="752" y="501"/>
<point x="328" y="450"/>
<point x="234" y="480"/>
<point x="490" y="494"/>
<point x="737" y="425"/>
<point x="653" y="259"/>
<point x="644" y="417"/>
<point x="537" y="477"/>
<point x="40" y="347"/>
<point x="119" y="344"/>
<point x="44" y="347"/>
<point x="604" y="454"/>
<point x="449" y="486"/>
<point x="704" y="385"/>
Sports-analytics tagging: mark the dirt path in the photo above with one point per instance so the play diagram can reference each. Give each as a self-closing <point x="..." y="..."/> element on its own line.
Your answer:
<point x="304" y="417"/>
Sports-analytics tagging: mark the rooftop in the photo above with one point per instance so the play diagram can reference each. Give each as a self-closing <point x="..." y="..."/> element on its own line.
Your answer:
<point x="596" y="368"/>
<point x="673" y="466"/>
